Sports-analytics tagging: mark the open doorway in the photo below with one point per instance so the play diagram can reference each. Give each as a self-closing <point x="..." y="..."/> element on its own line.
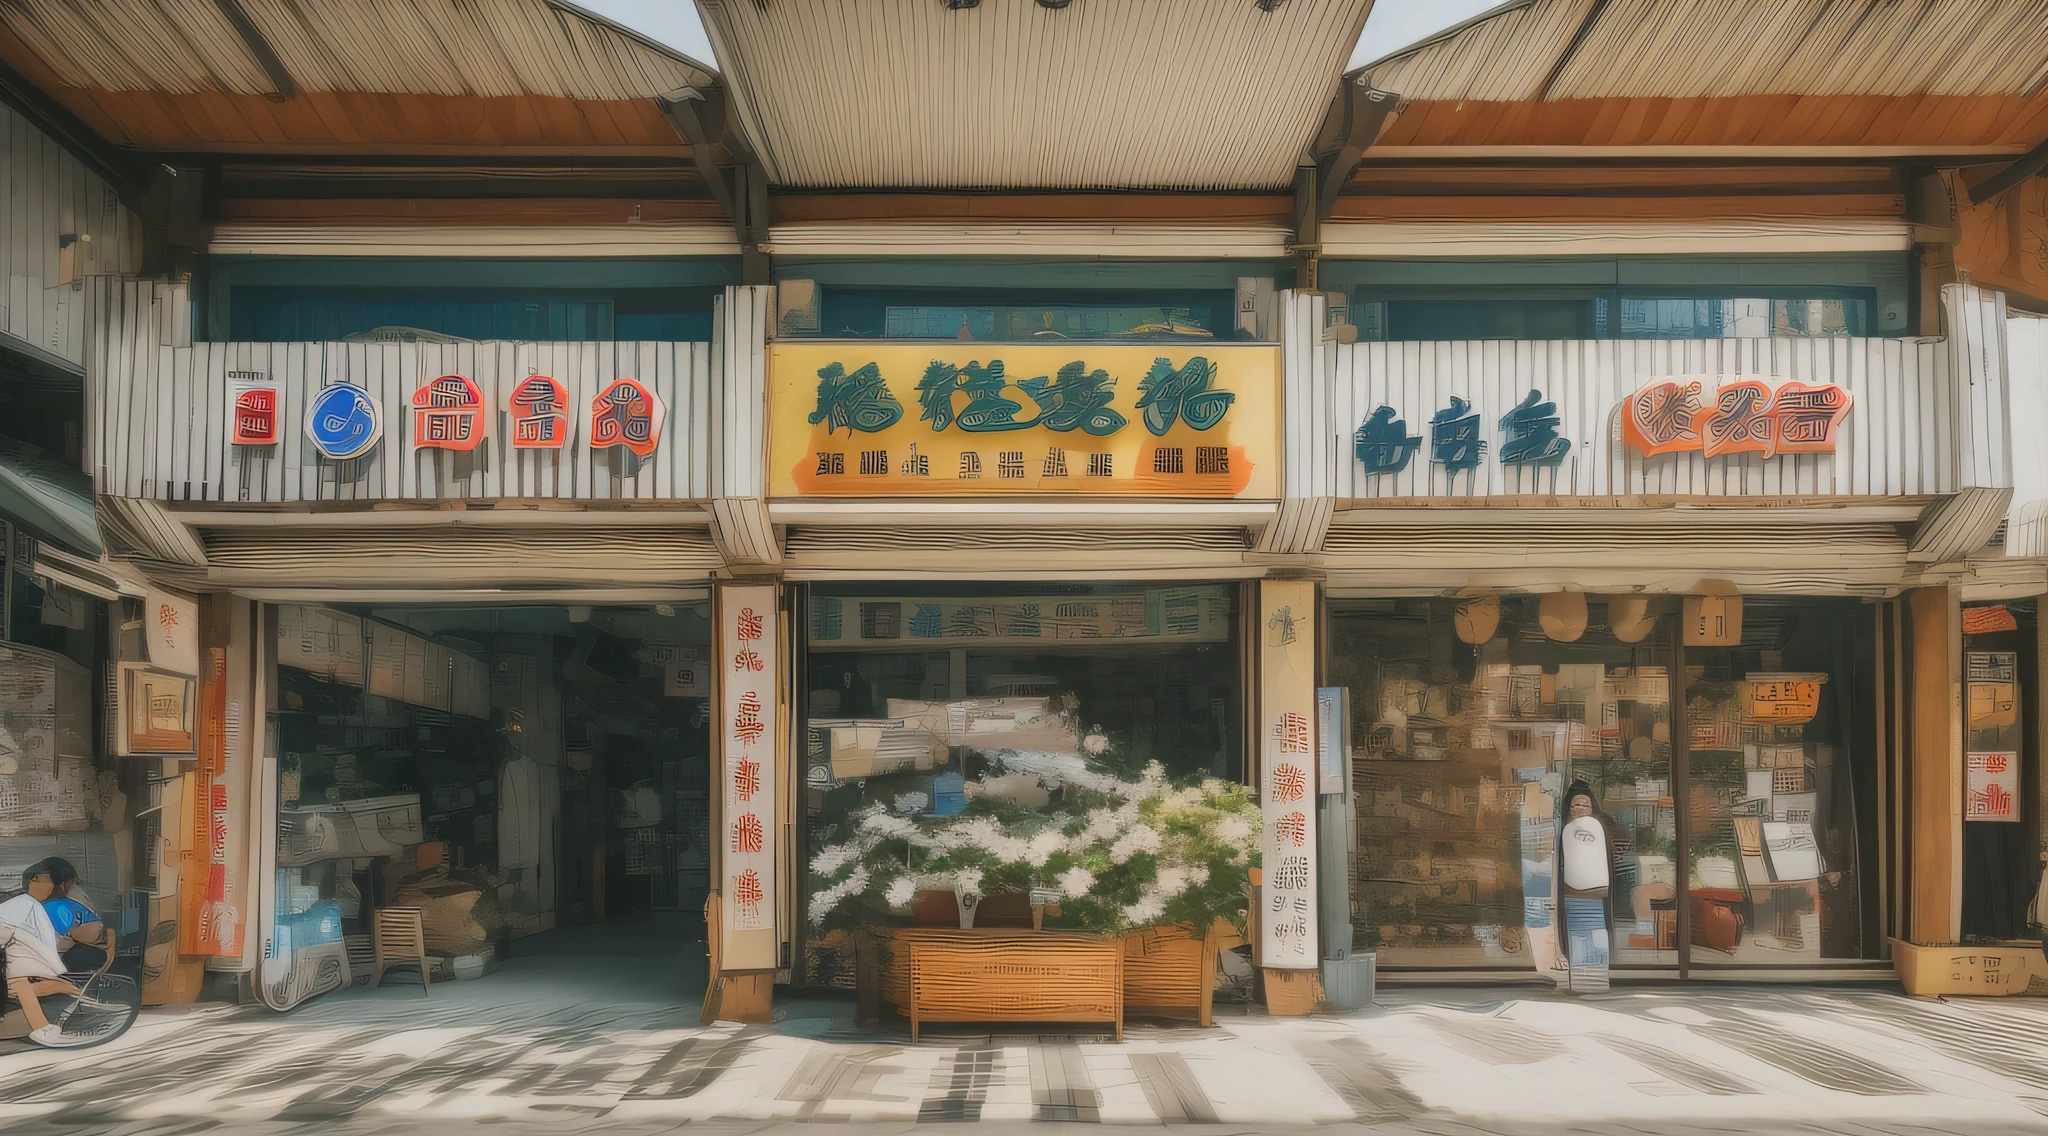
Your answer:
<point x="531" y="779"/>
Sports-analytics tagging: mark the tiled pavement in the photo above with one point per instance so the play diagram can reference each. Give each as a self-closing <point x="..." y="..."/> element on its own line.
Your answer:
<point x="546" y="1048"/>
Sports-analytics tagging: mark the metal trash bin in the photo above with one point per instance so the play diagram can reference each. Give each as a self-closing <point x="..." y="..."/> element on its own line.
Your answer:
<point x="1348" y="982"/>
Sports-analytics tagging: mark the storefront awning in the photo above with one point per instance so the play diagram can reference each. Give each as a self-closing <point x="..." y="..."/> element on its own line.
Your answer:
<point x="41" y="495"/>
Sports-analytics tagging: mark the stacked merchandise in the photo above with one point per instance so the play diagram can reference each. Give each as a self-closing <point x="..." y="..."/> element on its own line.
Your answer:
<point x="1756" y="858"/>
<point x="1444" y="803"/>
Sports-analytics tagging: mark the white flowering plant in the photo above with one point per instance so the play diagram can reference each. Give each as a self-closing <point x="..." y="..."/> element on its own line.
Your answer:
<point x="1114" y="851"/>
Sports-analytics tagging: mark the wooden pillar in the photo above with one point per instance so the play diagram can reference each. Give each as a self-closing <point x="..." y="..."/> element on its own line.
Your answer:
<point x="1934" y="909"/>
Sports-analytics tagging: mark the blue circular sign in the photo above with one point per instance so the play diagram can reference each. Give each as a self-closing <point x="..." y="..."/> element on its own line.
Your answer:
<point x="343" y="422"/>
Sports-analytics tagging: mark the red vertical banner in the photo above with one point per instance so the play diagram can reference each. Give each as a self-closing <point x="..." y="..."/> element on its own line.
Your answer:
<point x="207" y="924"/>
<point x="746" y="658"/>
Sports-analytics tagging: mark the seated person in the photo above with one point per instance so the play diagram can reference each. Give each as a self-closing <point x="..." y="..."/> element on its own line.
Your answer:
<point x="86" y="943"/>
<point x="34" y="964"/>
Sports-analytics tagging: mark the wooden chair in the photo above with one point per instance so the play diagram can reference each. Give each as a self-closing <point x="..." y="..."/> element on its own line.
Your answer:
<point x="400" y="939"/>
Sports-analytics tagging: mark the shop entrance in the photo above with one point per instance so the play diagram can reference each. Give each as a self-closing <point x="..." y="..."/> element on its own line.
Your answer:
<point x="532" y="780"/>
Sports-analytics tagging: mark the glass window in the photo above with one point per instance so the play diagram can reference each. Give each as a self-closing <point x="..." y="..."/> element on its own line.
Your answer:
<point x="1020" y="706"/>
<point x="1530" y="318"/>
<point x="1753" y="318"/>
<point x="2001" y="770"/>
<point x="1779" y="732"/>
<point x="1022" y="316"/>
<point x="273" y="314"/>
<point x="1467" y="730"/>
<point x="1621" y="298"/>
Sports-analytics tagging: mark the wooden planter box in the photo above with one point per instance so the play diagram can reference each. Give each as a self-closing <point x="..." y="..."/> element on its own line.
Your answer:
<point x="1010" y="976"/>
<point x="1169" y="970"/>
<point x="1164" y="970"/>
<point x="1986" y="970"/>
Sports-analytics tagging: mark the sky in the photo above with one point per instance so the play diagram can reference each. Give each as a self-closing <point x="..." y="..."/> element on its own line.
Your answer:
<point x="1394" y="23"/>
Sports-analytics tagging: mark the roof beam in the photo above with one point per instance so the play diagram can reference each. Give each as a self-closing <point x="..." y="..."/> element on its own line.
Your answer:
<point x="682" y="114"/>
<point x="124" y="171"/>
<point x="266" y="56"/>
<point x="1364" y="111"/>
<point x="1564" y="57"/>
<point x="2025" y="166"/>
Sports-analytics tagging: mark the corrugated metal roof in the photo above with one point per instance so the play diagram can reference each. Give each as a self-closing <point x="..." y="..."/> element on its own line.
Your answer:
<point x="1184" y="94"/>
<point x="480" y="48"/>
<point x="1727" y="48"/>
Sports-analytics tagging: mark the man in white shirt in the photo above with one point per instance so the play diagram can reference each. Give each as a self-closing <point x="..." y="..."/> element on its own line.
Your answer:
<point x="34" y="965"/>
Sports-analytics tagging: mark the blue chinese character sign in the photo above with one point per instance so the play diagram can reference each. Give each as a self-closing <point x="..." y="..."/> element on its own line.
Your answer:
<point x="1383" y="443"/>
<point x="1531" y="436"/>
<point x="1454" y="440"/>
<point x="343" y="422"/>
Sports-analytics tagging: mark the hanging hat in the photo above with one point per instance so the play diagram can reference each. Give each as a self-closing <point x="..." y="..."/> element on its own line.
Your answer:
<point x="1562" y="615"/>
<point x="1631" y="617"/>
<point x="1477" y="616"/>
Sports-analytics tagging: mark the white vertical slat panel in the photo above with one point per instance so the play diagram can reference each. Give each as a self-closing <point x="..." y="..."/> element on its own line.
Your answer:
<point x="426" y="466"/>
<point x="552" y="472"/>
<point x="652" y="368"/>
<point x="513" y="469"/>
<point x="600" y="368"/>
<point x="675" y="442"/>
<point x="1308" y="436"/>
<point x="742" y="327"/>
<point x="46" y="194"/>
<point x="243" y="469"/>
<point x="96" y="370"/>
<point x="1902" y="473"/>
<point x="1297" y="432"/>
<point x="2027" y="384"/>
<point x="499" y="372"/>
<point x="399" y="381"/>
<point x="211" y="449"/>
<point x="182" y="425"/>
<point x="702" y="424"/>
<point x="120" y="404"/>
<point x="1977" y="325"/>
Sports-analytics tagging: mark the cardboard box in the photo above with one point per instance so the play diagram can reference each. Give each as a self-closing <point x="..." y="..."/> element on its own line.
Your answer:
<point x="1993" y="970"/>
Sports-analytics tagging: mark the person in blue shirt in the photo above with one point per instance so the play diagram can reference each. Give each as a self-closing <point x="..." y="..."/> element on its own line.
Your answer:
<point x="87" y="942"/>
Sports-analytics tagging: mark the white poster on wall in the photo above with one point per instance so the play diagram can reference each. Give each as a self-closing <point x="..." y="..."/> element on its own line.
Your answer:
<point x="1287" y="774"/>
<point x="172" y="625"/>
<point x="1991" y="786"/>
<point x="745" y="656"/>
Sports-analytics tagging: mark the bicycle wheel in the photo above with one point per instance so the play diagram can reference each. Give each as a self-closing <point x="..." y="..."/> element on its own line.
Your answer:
<point x="105" y="1006"/>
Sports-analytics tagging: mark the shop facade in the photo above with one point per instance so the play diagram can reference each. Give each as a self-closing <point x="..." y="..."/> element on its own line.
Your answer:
<point x="1047" y="637"/>
<point x="971" y="615"/>
<point x="836" y="566"/>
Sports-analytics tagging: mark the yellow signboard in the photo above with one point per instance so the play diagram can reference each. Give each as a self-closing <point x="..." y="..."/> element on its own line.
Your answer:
<point x="1159" y="420"/>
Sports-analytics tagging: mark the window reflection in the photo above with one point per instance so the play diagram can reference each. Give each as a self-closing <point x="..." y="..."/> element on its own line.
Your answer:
<point x="1462" y="753"/>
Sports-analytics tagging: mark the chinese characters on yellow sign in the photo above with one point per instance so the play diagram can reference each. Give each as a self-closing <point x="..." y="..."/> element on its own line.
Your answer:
<point x="860" y="420"/>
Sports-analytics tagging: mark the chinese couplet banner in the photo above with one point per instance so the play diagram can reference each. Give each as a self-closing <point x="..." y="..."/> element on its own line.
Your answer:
<point x="1287" y="783"/>
<point x="747" y="667"/>
<point x="982" y="419"/>
<point x="208" y="921"/>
